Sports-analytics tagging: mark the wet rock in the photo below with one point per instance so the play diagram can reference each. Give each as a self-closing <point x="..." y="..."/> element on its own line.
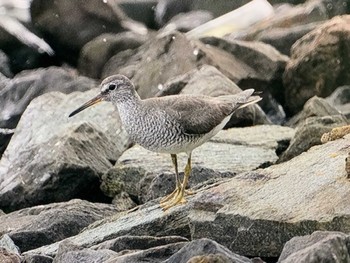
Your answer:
<point x="253" y="213"/>
<point x="314" y="107"/>
<point x="52" y="158"/>
<point x="97" y="52"/>
<point x="340" y="99"/>
<point x="34" y="227"/>
<point x="68" y="26"/>
<point x="309" y="133"/>
<point x="145" y="175"/>
<point x="206" y="247"/>
<point x="320" y="246"/>
<point x="307" y="73"/>
<point x="19" y="91"/>
<point x="209" y="81"/>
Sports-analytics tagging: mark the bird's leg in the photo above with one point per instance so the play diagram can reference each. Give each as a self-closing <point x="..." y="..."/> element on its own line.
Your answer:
<point x="178" y="184"/>
<point x="179" y="198"/>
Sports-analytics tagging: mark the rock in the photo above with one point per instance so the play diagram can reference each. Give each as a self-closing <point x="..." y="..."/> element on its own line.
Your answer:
<point x="142" y="11"/>
<point x="253" y="213"/>
<point x="138" y="242"/>
<point x="320" y="246"/>
<point x="145" y="175"/>
<point x="206" y="246"/>
<point x="5" y="137"/>
<point x="34" y="227"/>
<point x="38" y="259"/>
<point x="307" y="73"/>
<point x="19" y="91"/>
<point x="68" y="252"/>
<point x="9" y="257"/>
<point x="347" y="165"/>
<point x="171" y="55"/>
<point x="209" y="81"/>
<point x="314" y="107"/>
<point x="335" y="134"/>
<point x="185" y="22"/>
<point x="309" y="133"/>
<point x="52" y="158"/>
<point x="68" y="26"/>
<point x="166" y="9"/>
<point x="95" y="53"/>
<point x="340" y="99"/>
<point x="4" y="65"/>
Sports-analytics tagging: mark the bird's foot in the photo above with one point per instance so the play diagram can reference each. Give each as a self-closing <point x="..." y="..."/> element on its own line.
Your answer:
<point x="170" y="196"/>
<point x="177" y="199"/>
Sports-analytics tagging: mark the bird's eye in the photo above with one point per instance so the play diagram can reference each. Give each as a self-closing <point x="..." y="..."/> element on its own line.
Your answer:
<point x="111" y="87"/>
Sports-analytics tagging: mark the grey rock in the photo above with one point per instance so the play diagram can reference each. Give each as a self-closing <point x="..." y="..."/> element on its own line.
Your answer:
<point x="138" y="242"/>
<point x="172" y="54"/>
<point x="52" y="158"/>
<point x="146" y="175"/>
<point x="19" y="91"/>
<point x="95" y="53"/>
<point x="154" y="255"/>
<point x="253" y="213"/>
<point x="5" y="137"/>
<point x="309" y="133"/>
<point x="320" y="246"/>
<point x="185" y="22"/>
<point x="166" y="9"/>
<point x="307" y="73"/>
<point x="68" y="26"/>
<point x="68" y="252"/>
<point x="7" y="242"/>
<point x="314" y="107"/>
<point x="340" y="99"/>
<point x="209" y="81"/>
<point x="204" y="247"/>
<point x="34" y="227"/>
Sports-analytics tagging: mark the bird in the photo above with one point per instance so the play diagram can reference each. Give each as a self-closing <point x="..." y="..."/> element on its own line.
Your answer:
<point x="171" y="124"/>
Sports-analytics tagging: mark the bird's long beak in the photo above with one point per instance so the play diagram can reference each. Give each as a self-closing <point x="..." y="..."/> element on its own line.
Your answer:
<point x="91" y="102"/>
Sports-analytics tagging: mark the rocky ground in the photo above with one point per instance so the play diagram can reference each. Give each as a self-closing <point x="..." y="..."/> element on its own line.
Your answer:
<point x="272" y="187"/>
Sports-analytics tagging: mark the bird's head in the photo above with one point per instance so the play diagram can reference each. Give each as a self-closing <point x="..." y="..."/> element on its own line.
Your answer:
<point x="114" y="88"/>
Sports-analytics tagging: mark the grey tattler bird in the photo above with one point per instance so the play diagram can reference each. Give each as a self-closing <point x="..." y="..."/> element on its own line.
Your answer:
<point x="171" y="124"/>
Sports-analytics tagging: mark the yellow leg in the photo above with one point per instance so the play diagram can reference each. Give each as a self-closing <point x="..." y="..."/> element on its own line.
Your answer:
<point x="179" y="197"/>
<point x="178" y="184"/>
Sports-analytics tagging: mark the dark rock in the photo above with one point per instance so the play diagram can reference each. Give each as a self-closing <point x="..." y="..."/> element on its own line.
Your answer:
<point x="320" y="246"/>
<point x="138" y="242"/>
<point x="340" y="99"/>
<point x="19" y="91"/>
<point x="166" y="9"/>
<point x="52" y="158"/>
<point x="204" y="247"/>
<point x="38" y="259"/>
<point x="68" y="252"/>
<point x="309" y="133"/>
<point x="69" y="25"/>
<point x="308" y="72"/>
<point x="185" y="22"/>
<point x="4" y="65"/>
<point x="5" y="137"/>
<point x="209" y="81"/>
<point x="34" y="227"/>
<point x="98" y="51"/>
<point x="171" y="55"/>
<point x="314" y="107"/>
<point x="145" y="175"/>
<point x="142" y="11"/>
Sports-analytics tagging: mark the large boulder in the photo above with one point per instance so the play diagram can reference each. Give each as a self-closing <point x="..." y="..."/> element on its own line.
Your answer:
<point x="308" y="72"/>
<point x="18" y="92"/>
<point x="52" y="158"/>
<point x="252" y="214"/>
